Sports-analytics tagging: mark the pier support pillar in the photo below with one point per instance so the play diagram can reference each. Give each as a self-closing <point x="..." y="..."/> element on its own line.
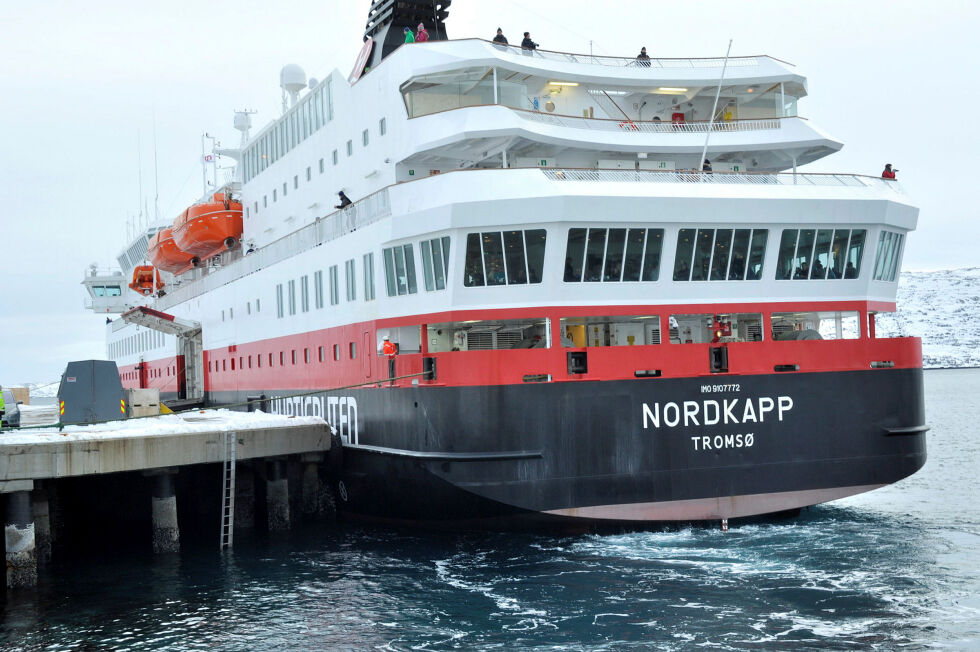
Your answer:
<point x="277" y="495"/>
<point x="42" y="523"/>
<point x="244" y="498"/>
<point x="20" y="542"/>
<point x="314" y="500"/>
<point x="166" y="533"/>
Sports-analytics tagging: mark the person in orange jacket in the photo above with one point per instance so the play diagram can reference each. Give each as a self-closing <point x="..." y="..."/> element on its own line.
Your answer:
<point x="390" y="350"/>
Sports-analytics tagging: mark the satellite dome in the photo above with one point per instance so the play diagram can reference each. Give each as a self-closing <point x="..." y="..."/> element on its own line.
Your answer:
<point x="292" y="78"/>
<point x="243" y="121"/>
<point x="313" y="82"/>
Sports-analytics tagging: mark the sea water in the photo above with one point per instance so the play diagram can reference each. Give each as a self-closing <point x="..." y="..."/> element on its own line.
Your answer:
<point x="895" y="568"/>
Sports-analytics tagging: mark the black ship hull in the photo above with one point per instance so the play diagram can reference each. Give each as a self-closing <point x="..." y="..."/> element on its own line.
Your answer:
<point x="636" y="452"/>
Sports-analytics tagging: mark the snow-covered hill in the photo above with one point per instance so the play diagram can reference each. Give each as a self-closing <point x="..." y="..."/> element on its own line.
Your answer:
<point x="943" y="308"/>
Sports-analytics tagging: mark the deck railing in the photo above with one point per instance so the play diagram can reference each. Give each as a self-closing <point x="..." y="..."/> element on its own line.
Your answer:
<point x="622" y="62"/>
<point x="642" y="127"/>
<point x="724" y="178"/>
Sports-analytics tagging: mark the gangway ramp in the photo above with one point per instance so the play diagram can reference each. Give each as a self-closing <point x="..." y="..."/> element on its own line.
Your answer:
<point x="190" y="347"/>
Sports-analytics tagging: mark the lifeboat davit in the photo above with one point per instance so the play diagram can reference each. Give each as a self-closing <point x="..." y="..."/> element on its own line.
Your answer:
<point x="146" y="280"/>
<point x="208" y="228"/>
<point x="165" y="254"/>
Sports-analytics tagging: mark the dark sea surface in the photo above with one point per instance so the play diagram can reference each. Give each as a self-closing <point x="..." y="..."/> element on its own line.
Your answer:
<point x="898" y="568"/>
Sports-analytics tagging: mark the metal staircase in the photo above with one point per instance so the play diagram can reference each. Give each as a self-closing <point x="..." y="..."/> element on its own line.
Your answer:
<point x="228" y="492"/>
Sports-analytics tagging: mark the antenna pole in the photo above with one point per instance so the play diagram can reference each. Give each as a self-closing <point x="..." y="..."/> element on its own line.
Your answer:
<point x="204" y="167"/>
<point x="156" y="173"/>
<point x="711" y="122"/>
<point x="139" y="164"/>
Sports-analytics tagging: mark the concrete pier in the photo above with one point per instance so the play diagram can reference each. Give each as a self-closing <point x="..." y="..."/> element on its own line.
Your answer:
<point x="244" y="497"/>
<point x="315" y="500"/>
<point x="20" y="541"/>
<point x="277" y="496"/>
<point x="42" y="523"/>
<point x="166" y="532"/>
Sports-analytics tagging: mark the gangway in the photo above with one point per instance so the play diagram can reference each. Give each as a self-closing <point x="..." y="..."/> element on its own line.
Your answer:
<point x="190" y="346"/>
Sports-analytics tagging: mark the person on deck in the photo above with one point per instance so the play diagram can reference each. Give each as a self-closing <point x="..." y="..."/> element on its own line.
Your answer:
<point x="344" y="200"/>
<point x="422" y="35"/>
<point x="500" y="38"/>
<point x="643" y="59"/>
<point x="888" y="172"/>
<point x="527" y="44"/>
<point x="409" y="36"/>
<point x="390" y="350"/>
<point x="706" y="166"/>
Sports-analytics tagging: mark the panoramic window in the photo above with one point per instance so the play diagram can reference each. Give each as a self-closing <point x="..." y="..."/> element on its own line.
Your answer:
<point x="714" y="328"/>
<point x="369" y="277"/>
<point x="889" y="254"/>
<point x="399" y="265"/>
<point x="435" y="263"/>
<point x="334" y="286"/>
<point x="720" y="254"/>
<point x="485" y="335"/>
<point x="613" y="255"/>
<point x="820" y="254"/>
<point x="504" y="258"/>
<point x="815" y="326"/>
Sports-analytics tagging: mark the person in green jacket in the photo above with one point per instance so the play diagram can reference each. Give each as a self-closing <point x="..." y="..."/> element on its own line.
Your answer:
<point x="3" y="406"/>
<point x="409" y="36"/>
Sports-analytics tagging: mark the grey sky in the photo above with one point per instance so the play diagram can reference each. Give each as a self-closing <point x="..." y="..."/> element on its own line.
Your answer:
<point x="895" y="81"/>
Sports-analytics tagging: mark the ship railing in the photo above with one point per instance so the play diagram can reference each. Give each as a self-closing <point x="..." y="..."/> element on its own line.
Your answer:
<point x="623" y="62"/>
<point x="655" y="127"/>
<point x="367" y="210"/>
<point x="721" y="177"/>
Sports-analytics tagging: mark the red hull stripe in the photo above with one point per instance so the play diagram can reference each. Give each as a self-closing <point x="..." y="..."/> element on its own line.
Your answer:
<point x="306" y="361"/>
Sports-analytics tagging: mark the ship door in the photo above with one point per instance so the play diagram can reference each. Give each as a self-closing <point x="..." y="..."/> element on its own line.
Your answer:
<point x="368" y="353"/>
<point x="141" y="372"/>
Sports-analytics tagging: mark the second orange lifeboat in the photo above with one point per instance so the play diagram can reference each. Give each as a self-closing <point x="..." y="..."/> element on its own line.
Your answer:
<point x="165" y="254"/>
<point x="146" y="280"/>
<point x="209" y="228"/>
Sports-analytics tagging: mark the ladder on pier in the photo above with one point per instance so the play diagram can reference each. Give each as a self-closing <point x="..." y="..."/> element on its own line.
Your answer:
<point x="228" y="492"/>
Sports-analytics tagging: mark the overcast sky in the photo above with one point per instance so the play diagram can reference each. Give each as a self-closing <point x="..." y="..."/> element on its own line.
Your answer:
<point x="895" y="81"/>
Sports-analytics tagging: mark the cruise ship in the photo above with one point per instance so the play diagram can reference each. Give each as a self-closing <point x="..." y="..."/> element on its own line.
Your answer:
<point x="609" y="295"/>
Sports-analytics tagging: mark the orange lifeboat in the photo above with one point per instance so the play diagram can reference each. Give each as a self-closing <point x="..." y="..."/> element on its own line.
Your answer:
<point x="165" y="254"/>
<point x="208" y="228"/>
<point x="146" y="280"/>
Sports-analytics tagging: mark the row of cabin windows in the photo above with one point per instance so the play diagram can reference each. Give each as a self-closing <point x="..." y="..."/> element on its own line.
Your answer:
<point x="889" y="251"/>
<point x="321" y="165"/>
<point x="151" y="374"/>
<point x="302" y="120"/>
<point x="286" y="294"/>
<point x="283" y="358"/>
<point x="136" y="343"/>
<point x="820" y="254"/>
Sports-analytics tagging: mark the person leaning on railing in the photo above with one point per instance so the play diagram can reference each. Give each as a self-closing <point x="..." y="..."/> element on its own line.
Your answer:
<point x="527" y="44"/>
<point x="888" y="172"/>
<point x="500" y="38"/>
<point x="643" y="59"/>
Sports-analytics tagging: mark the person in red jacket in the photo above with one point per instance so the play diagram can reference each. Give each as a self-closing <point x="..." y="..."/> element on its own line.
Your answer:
<point x="422" y="35"/>
<point x="888" y="173"/>
<point x="390" y="350"/>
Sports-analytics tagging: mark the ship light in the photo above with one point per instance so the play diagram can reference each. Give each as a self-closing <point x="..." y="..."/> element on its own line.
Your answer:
<point x="554" y="83"/>
<point x="671" y="89"/>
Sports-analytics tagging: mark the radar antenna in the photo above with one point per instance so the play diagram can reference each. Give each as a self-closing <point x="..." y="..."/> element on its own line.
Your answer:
<point x="387" y="20"/>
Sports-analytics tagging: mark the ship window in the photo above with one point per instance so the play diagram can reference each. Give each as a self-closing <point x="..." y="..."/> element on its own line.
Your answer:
<point x="321" y="166"/>
<point x="349" y="277"/>
<point x="350" y="148"/>
<point x="320" y="354"/>
<point x="828" y="325"/>
<point x="247" y="212"/>
<point x="256" y="205"/>
<point x="352" y="350"/>
<point x="285" y="188"/>
<point x="399" y="265"/>
<point x="365" y="137"/>
<point x="334" y="286"/>
<point x="248" y="307"/>
<point x="369" y="277"/>
<point x="306" y="356"/>
<point x="258" y="306"/>
<point x="292" y="356"/>
<point x="451" y="90"/>
<point x="270" y="360"/>
<point x="282" y="358"/>
<point x="820" y="254"/>
<point x="336" y="352"/>
<point x="435" y="263"/>
<point x="275" y="194"/>
<point x="258" y="360"/>
<point x="295" y="184"/>
<point x="502" y="258"/>
<point x="265" y="201"/>
<point x="613" y="255"/>
<point x="224" y="365"/>
<point x="886" y="260"/>
<point x="292" y="297"/>
<point x="720" y="254"/>
<point x="309" y="172"/>
<point x="531" y="333"/>
<point x="714" y="328"/>
<point x="304" y="293"/>
<point x="318" y="289"/>
<point x="336" y="158"/>
<point x="279" y="308"/>
<point x="382" y="126"/>
<point x="619" y="330"/>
